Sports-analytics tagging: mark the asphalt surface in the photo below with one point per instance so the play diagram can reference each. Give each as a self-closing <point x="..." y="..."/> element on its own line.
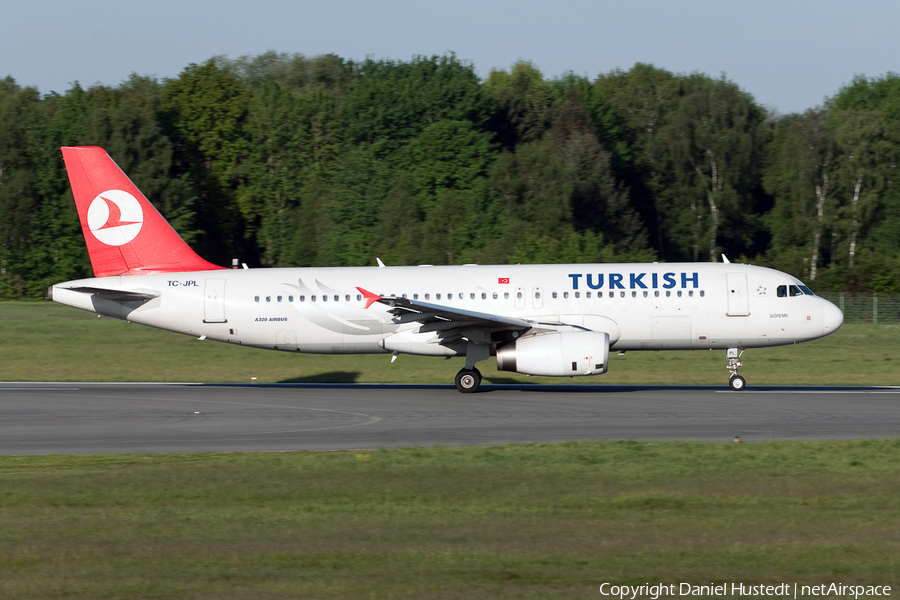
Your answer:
<point x="88" y="418"/>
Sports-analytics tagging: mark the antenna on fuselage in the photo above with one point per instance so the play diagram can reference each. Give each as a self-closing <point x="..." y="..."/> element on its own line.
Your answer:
<point x="725" y="259"/>
<point x="380" y="264"/>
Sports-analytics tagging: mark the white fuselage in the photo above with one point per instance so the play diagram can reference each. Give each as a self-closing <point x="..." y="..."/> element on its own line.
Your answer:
<point x="659" y="306"/>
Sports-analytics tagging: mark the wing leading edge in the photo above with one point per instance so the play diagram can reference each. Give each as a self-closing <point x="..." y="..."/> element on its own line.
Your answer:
<point x="437" y="317"/>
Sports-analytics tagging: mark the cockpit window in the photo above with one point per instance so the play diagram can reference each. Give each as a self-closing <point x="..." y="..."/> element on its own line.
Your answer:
<point x="806" y="290"/>
<point x="782" y="291"/>
<point x="795" y="291"/>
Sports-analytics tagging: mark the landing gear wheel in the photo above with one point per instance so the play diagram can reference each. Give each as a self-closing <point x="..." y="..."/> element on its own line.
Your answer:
<point x="737" y="383"/>
<point x="468" y="380"/>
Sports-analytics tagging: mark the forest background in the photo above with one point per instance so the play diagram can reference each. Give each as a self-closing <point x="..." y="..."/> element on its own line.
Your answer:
<point x="284" y="160"/>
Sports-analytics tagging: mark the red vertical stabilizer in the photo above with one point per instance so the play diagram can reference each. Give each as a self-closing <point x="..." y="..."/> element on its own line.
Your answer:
<point x="125" y="234"/>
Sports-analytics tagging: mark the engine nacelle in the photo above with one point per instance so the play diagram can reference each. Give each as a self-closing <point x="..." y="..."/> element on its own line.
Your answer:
<point x="564" y="354"/>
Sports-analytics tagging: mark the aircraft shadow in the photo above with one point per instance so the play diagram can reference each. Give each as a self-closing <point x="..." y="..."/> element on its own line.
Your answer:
<point x="504" y="381"/>
<point x="332" y="377"/>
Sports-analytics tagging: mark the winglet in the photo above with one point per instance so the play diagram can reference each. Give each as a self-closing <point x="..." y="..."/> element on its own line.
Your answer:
<point x="369" y="296"/>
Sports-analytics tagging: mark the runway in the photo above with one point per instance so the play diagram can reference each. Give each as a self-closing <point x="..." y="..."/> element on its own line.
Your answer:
<point x="91" y="418"/>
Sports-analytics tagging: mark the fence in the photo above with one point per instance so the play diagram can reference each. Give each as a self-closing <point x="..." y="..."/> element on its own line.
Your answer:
<point x="876" y="309"/>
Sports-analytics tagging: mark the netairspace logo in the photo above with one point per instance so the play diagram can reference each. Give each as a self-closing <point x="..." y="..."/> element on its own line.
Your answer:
<point x="783" y="590"/>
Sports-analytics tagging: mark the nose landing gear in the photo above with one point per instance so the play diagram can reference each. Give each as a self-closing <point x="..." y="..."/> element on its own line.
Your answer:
<point x="736" y="382"/>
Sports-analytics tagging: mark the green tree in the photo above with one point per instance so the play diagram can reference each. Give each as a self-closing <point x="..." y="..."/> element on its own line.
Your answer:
<point x="393" y="102"/>
<point x="533" y="191"/>
<point x="801" y="177"/>
<point x="295" y="72"/>
<point x="294" y="139"/>
<point x="204" y="113"/>
<point x="710" y="147"/>
<point x="861" y="136"/>
<point x="628" y="109"/>
<point x="866" y="121"/>
<point x="17" y="194"/>
<point x="526" y="102"/>
<point x="598" y="202"/>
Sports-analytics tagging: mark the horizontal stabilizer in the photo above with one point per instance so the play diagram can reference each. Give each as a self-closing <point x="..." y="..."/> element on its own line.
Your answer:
<point x="116" y="295"/>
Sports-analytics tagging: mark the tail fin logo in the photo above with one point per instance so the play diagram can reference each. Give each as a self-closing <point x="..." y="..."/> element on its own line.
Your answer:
<point x="115" y="217"/>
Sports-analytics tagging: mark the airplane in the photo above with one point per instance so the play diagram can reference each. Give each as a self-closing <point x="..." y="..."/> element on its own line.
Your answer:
<point x="552" y="320"/>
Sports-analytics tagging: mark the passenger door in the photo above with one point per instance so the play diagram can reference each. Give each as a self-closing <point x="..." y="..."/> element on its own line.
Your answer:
<point x="738" y="296"/>
<point x="214" y="301"/>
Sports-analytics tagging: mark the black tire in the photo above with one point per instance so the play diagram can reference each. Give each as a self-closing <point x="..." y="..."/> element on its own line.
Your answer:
<point x="737" y="383"/>
<point x="468" y="381"/>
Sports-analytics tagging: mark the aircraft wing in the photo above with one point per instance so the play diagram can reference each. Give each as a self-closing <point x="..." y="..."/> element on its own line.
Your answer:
<point x="437" y="317"/>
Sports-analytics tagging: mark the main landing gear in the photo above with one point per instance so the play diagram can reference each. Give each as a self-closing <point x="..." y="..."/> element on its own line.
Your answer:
<point x="468" y="380"/>
<point x="736" y="382"/>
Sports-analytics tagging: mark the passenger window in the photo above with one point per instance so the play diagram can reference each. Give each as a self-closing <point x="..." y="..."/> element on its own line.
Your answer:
<point x="612" y="294"/>
<point x="312" y="298"/>
<point x="336" y="297"/>
<point x="781" y="292"/>
<point x="587" y="294"/>
<point x="302" y="298"/>
<point x="634" y="294"/>
<point x="656" y="293"/>
<point x="519" y="295"/>
<point x="290" y="298"/>
<point x="256" y="298"/>
<point x="279" y="298"/>
<point x="404" y="296"/>
<point x="691" y="293"/>
<point x="702" y="293"/>
<point x="506" y="295"/>
<point x="324" y="297"/>
<point x="428" y="296"/>
<point x="645" y="294"/>
<point x="461" y="296"/>
<point x="483" y="296"/>
<point x="554" y="294"/>
<point x="565" y="294"/>
<point x="537" y="295"/>
<point x="622" y="294"/>
<point x="359" y="297"/>
<point x="268" y="298"/>
<point x="471" y="296"/>
<point x="795" y="291"/>
<point x="679" y="293"/>
<point x="668" y="293"/>
<point x="347" y="298"/>
<point x="438" y="296"/>
<point x="578" y="294"/>
<point x="495" y="295"/>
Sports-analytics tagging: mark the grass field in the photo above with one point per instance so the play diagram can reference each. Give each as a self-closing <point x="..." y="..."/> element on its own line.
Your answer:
<point x="520" y="521"/>
<point x="498" y="522"/>
<point x="42" y="341"/>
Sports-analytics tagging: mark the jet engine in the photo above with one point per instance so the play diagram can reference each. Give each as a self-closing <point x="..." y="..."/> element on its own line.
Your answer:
<point x="561" y="354"/>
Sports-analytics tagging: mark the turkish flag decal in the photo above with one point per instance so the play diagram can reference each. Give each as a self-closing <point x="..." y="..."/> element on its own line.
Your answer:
<point x="503" y="280"/>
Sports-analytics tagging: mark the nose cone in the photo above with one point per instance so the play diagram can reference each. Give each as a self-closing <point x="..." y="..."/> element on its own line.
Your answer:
<point x="833" y="317"/>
